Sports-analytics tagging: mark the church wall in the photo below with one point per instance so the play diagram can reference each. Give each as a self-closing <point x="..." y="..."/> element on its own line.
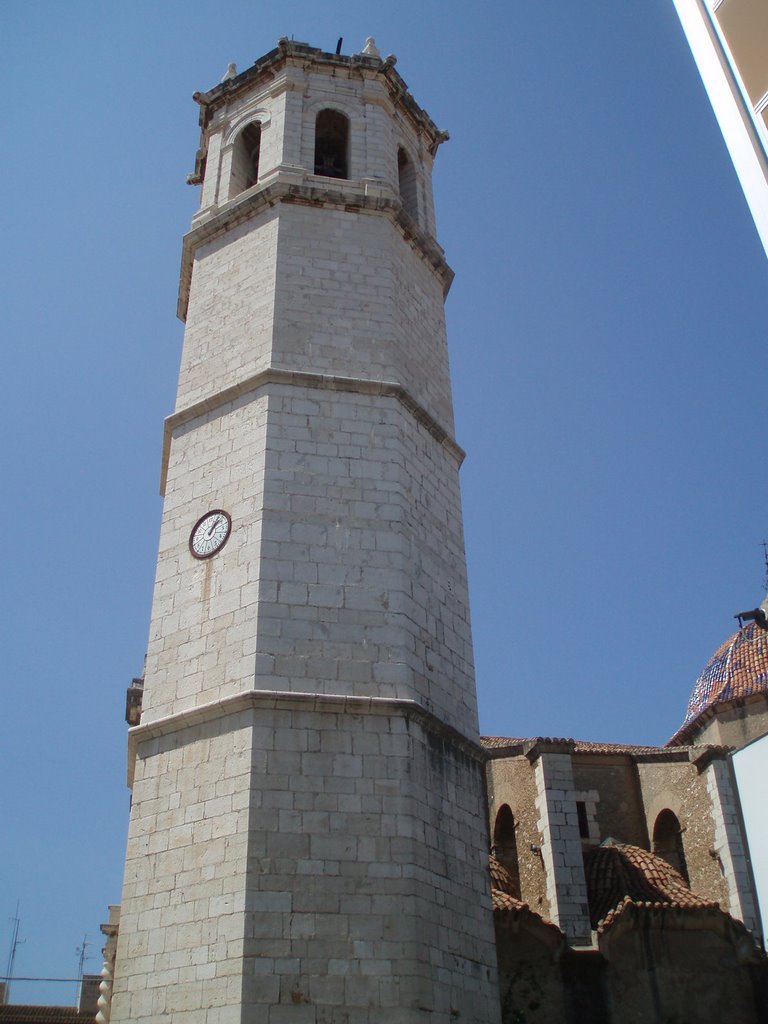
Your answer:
<point x="512" y="781"/>
<point x="355" y="299"/>
<point x="618" y="810"/>
<point x="367" y="845"/>
<point x="736" y="724"/>
<point x="202" y="643"/>
<point x="672" y="966"/>
<point x="679" y="786"/>
<point x="530" y="975"/>
<point x="180" y="945"/>
<point x="230" y="317"/>
<point x="372" y="603"/>
<point x="561" y="847"/>
<point x="319" y="856"/>
<point x="362" y="582"/>
<point x="422" y="339"/>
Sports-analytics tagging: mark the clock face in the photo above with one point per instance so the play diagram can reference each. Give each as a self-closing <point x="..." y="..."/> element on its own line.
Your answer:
<point x="210" y="533"/>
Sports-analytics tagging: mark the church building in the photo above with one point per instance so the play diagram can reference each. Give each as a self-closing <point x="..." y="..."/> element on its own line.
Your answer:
<point x="318" y="833"/>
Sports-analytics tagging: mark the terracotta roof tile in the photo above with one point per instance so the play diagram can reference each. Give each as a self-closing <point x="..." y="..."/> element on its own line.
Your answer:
<point x="504" y="895"/>
<point x="503" y="901"/>
<point x="618" y="873"/>
<point x="578" y="746"/>
<point x="501" y="878"/>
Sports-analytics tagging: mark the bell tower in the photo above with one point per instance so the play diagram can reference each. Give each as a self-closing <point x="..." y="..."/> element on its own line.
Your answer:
<point x="307" y="839"/>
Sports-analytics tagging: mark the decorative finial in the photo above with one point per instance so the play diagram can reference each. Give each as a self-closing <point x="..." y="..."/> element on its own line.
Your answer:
<point x="231" y="72"/>
<point x="371" y="49"/>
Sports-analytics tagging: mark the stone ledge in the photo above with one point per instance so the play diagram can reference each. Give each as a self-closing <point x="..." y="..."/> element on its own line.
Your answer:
<point x="283" y="700"/>
<point x="297" y="378"/>
<point x="349" y="195"/>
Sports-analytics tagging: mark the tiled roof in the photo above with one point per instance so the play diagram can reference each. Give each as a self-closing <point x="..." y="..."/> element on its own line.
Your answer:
<point x="21" y="1014"/>
<point x="577" y="746"/>
<point x="665" y="913"/>
<point x="618" y="873"/>
<point x="504" y="893"/>
<point x="738" y="668"/>
<point x="500" y="877"/>
<point x="503" y="901"/>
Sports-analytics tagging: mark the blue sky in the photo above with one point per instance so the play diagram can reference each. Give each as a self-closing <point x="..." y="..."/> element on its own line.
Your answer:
<point x="607" y="331"/>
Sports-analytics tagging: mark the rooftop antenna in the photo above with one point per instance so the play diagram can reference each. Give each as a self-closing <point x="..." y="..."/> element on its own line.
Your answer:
<point x="15" y="942"/>
<point x="765" y="563"/>
<point x="81" y="951"/>
<point x="338" y="45"/>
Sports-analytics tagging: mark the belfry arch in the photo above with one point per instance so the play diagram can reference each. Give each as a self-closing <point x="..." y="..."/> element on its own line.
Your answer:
<point x="245" y="159"/>
<point x="332" y="144"/>
<point x="407" y="183"/>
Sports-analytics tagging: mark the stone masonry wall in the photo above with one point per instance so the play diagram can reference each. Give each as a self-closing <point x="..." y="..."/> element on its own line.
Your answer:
<point x="182" y="924"/>
<point x="561" y="850"/>
<point x="231" y="309"/>
<point x="619" y="809"/>
<point x="355" y="299"/>
<point x="512" y="781"/>
<point x="363" y="585"/>
<point x="321" y="861"/>
<point x="202" y="643"/>
<point x="344" y="572"/>
<point x="307" y="841"/>
<point x="679" y="787"/>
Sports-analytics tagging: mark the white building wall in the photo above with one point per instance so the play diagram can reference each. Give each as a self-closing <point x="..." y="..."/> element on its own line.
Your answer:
<point x="739" y="118"/>
<point x="751" y="769"/>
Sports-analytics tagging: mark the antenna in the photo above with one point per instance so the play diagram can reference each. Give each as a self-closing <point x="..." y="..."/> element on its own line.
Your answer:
<point x="81" y="958"/>
<point x="765" y="563"/>
<point x="15" y="941"/>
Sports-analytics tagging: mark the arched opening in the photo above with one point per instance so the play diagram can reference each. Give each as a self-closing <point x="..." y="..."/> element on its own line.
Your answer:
<point x="505" y="846"/>
<point x="668" y="841"/>
<point x="245" y="159"/>
<point x="406" y="177"/>
<point x="331" y="144"/>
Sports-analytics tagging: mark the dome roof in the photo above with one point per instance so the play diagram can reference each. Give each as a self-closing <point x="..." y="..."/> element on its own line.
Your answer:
<point x="738" y="668"/>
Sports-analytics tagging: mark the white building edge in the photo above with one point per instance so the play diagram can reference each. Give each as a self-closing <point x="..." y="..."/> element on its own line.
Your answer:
<point x="729" y="41"/>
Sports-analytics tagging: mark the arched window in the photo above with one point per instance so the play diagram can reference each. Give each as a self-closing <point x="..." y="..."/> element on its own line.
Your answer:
<point x="668" y="841"/>
<point x="245" y="159"/>
<point x="406" y="177"/>
<point x="505" y="846"/>
<point x="331" y="144"/>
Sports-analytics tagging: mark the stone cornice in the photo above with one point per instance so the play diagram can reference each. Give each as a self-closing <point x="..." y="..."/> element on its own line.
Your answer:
<point x="702" y="757"/>
<point x="279" y="700"/>
<point x="297" y="378"/>
<point x="308" y="58"/>
<point x="296" y="186"/>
